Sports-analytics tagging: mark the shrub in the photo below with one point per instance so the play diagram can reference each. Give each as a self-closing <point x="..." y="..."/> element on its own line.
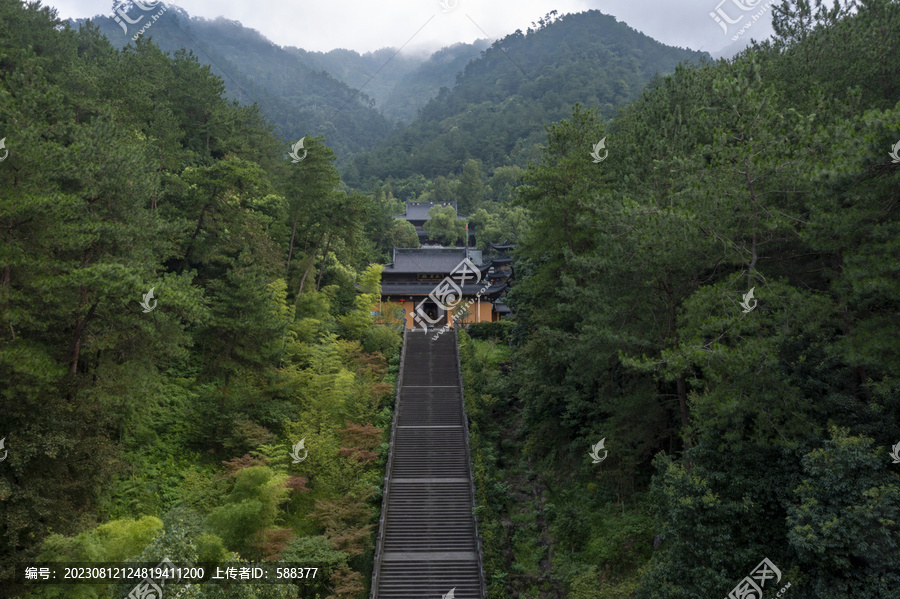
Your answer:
<point x="500" y="330"/>
<point x="380" y="338"/>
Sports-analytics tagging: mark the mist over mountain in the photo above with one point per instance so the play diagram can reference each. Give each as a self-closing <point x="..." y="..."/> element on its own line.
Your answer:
<point x="504" y="91"/>
<point x="300" y="98"/>
<point x="400" y="83"/>
<point x="498" y="108"/>
<point x="440" y="70"/>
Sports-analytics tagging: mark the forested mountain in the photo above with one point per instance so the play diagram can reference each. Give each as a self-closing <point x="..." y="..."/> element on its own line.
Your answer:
<point x="399" y="84"/>
<point x="356" y="69"/>
<point x="718" y="302"/>
<point x="709" y="305"/>
<point x="179" y="306"/>
<point x="336" y="93"/>
<point x="512" y="87"/>
<point x="298" y="98"/>
<point x="441" y="69"/>
<point x="497" y="110"/>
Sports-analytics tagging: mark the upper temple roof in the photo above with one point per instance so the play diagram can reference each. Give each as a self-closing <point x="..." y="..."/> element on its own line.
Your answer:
<point x="419" y="210"/>
<point x="431" y="260"/>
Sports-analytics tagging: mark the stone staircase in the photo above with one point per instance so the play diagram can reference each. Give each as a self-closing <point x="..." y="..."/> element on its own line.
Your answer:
<point x="428" y="540"/>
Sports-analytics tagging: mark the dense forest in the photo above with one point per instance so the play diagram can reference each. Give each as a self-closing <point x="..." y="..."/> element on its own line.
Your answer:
<point x="717" y="300"/>
<point x="142" y="433"/>
<point x="306" y="93"/>
<point x="733" y="434"/>
<point x="501" y="102"/>
<point x="399" y="84"/>
<point x="297" y="97"/>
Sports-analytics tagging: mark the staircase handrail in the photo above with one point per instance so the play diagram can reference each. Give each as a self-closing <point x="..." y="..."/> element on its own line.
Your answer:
<point x="379" y="545"/>
<point x="465" y="422"/>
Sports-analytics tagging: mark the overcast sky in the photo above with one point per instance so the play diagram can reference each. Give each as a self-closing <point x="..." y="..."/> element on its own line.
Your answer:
<point x="365" y="25"/>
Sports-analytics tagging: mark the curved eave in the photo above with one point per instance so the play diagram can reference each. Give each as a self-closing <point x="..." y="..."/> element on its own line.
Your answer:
<point x="406" y="290"/>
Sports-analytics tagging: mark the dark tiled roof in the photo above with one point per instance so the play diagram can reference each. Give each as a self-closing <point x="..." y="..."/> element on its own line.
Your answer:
<point x="422" y="289"/>
<point x="501" y="308"/>
<point x="424" y="234"/>
<point x="427" y="260"/>
<point x="419" y="210"/>
<point x="502" y="247"/>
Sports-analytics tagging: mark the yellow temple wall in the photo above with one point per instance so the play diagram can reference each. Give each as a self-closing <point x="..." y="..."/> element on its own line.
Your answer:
<point x="478" y="311"/>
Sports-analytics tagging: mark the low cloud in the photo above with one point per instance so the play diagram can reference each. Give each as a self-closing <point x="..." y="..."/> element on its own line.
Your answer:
<point x="424" y="26"/>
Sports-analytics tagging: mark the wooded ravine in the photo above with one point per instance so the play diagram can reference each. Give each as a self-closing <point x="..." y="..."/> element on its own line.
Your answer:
<point x="716" y="298"/>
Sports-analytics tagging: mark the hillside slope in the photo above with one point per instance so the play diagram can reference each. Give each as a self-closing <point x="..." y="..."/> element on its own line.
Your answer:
<point x="400" y="84"/>
<point x="497" y="110"/>
<point x="297" y="98"/>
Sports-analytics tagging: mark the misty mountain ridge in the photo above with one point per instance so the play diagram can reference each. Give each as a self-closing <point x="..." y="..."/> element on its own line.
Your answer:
<point x="300" y="92"/>
<point x="404" y="82"/>
<point x="498" y="109"/>
<point x="361" y="101"/>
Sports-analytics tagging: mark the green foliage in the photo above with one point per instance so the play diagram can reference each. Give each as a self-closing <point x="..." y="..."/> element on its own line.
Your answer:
<point x="500" y="330"/>
<point x="496" y="112"/>
<point x="130" y="171"/>
<point x="403" y="234"/>
<point x="358" y="321"/>
<point x="444" y="227"/>
<point x="629" y="283"/>
<point x="846" y="509"/>
<point x="589" y="583"/>
<point x="381" y="338"/>
<point x="496" y="223"/>
<point x="250" y="508"/>
<point x="313" y="549"/>
<point x="210" y="549"/>
<point x="471" y="187"/>
<point x="114" y="541"/>
<point x="504" y="181"/>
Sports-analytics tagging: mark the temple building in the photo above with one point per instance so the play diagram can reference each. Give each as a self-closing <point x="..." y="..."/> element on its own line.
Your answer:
<point x="417" y="213"/>
<point x="433" y="287"/>
<point x="501" y="272"/>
